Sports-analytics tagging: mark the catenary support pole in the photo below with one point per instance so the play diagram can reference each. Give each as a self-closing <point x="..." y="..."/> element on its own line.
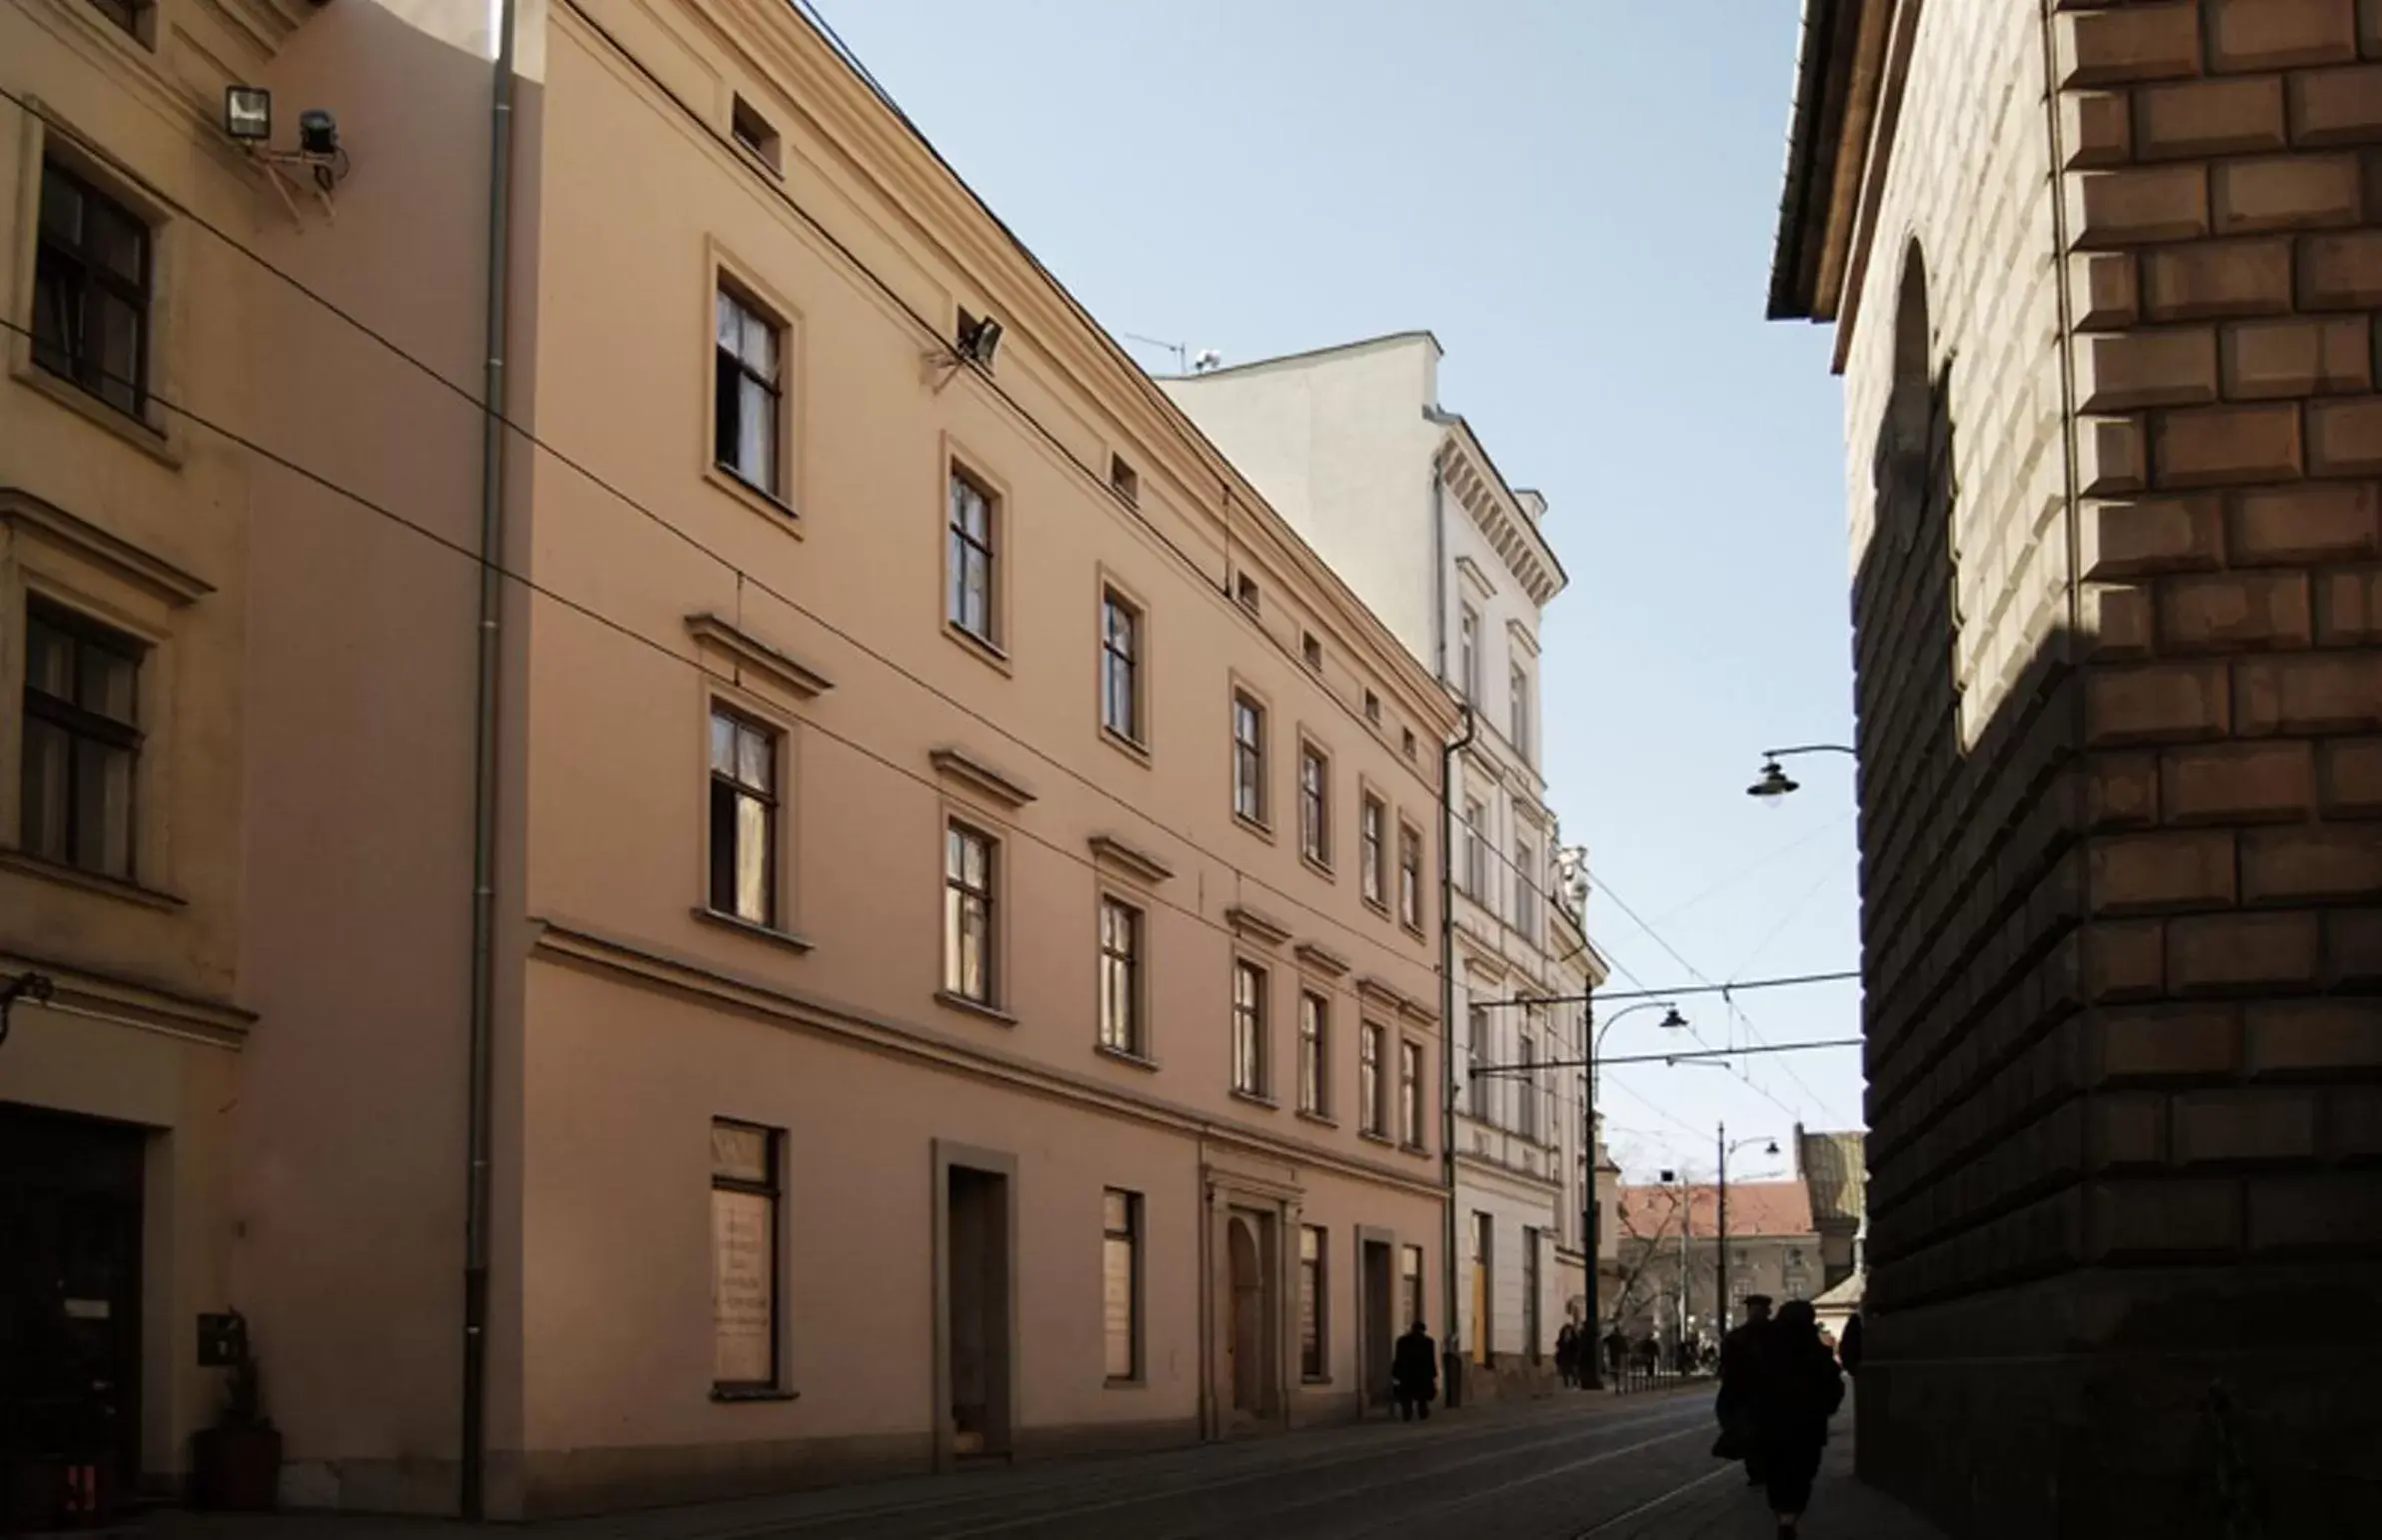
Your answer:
<point x="1451" y="1357"/>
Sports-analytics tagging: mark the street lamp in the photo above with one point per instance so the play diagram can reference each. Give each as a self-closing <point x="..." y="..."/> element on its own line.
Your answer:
<point x="1722" y="1197"/>
<point x="1593" y="1211"/>
<point x="1773" y="782"/>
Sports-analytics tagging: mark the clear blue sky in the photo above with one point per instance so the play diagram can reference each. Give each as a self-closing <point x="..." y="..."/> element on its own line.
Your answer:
<point x="1579" y="197"/>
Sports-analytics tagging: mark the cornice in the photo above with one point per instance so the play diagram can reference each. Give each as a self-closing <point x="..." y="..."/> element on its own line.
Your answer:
<point x="1115" y="854"/>
<point x="1466" y="472"/>
<point x="958" y="764"/>
<point x="749" y="650"/>
<point x="1253" y="925"/>
<point x="21" y="509"/>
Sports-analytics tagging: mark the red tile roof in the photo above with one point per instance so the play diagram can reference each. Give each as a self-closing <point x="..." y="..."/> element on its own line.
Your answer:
<point x="1754" y="1208"/>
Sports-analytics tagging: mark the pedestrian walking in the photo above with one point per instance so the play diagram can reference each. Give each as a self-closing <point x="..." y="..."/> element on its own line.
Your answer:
<point x="1414" y="1374"/>
<point x="1797" y="1391"/>
<point x="1848" y="1346"/>
<point x="1568" y="1355"/>
<point x="1740" y="1399"/>
<point x="1616" y="1349"/>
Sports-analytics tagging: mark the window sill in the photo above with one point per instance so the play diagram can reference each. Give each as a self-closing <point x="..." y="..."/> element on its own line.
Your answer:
<point x="1369" y="1136"/>
<point x="1314" y="1379"/>
<point x="1135" y="1383"/>
<point x="753" y="1393"/>
<point x="1413" y="1150"/>
<point x="757" y="498"/>
<point x="1125" y="1057"/>
<point x="1412" y="928"/>
<point x="1257" y="827"/>
<point x="963" y="1003"/>
<point x="1377" y="907"/>
<point x="988" y="653"/>
<point x="753" y="928"/>
<point x="1256" y="1099"/>
<point x="1321" y="868"/>
<point x="1320" y="1120"/>
<point x="89" y="881"/>
<point x="153" y="436"/>
<point x="1132" y="748"/>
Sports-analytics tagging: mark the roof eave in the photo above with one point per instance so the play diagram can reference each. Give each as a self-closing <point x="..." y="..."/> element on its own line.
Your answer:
<point x="1815" y="136"/>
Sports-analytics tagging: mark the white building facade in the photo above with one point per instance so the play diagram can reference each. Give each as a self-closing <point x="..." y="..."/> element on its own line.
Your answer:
<point x="1399" y="496"/>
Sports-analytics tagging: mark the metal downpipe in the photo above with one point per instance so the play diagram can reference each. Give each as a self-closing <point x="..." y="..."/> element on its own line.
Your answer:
<point x="478" y="1138"/>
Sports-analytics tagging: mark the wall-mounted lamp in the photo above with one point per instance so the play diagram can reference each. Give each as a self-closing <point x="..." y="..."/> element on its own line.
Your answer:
<point x="248" y="123"/>
<point x="248" y="114"/>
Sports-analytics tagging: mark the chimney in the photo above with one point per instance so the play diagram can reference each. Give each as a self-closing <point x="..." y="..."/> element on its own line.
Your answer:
<point x="1798" y="1152"/>
<point x="1532" y="503"/>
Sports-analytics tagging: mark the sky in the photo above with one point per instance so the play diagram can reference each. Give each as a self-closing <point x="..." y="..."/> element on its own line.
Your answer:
<point x="1579" y="197"/>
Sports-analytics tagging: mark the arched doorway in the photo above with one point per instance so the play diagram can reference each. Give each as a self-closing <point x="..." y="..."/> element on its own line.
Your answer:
<point x="1246" y="1345"/>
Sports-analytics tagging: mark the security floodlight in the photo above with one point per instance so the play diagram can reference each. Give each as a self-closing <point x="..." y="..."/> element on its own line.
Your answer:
<point x="980" y="341"/>
<point x="318" y="132"/>
<point x="248" y="113"/>
<point x="1775" y="781"/>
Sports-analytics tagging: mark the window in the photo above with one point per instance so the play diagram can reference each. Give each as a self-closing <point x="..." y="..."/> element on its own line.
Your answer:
<point x="1125" y="481"/>
<point x="744" y="819"/>
<point x="1467" y="654"/>
<point x="1519" y="715"/>
<point x="1526" y="890"/>
<point x="1121" y="671"/>
<point x="970" y="605"/>
<point x="1526" y="1055"/>
<point x="753" y="132"/>
<point x="1372" y="708"/>
<point x="1475" y="851"/>
<point x="745" y="1197"/>
<point x="1409" y="1092"/>
<point x="1408" y="742"/>
<point x="1375" y="1118"/>
<point x="968" y="914"/>
<point x="747" y="396"/>
<point x="1410" y="1285"/>
<point x="91" y="290"/>
<point x="1312" y="649"/>
<point x="1311" y="1250"/>
<point x="1315" y="805"/>
<point x="82" y="742"/>
<point x="1475" y="1045"/>
<point x="1249" y="759"/>
<point x="1315" y="1053"/>
<point x="1121" y="1282"/>
<point x="1120" y="978"/>
<point x="1249" y="1029"/>
<point x="1372" y="851"/>
<point x="1409" y="876"/>
<point x="1244" y="588"/>
<point x="131" y="15"/>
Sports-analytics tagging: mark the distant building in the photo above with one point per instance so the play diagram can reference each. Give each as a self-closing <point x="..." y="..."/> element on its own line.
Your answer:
<point x="1400" y="498"/>
<point x="1772" y="1247"/>
<point x="1830" y="1165"/>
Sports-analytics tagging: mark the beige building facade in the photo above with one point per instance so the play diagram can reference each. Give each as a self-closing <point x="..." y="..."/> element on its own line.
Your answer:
<point x="928" y="1005"/>
<point x="2104" y="282"/>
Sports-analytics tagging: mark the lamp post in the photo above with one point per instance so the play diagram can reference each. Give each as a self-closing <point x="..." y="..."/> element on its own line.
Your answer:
<point x="1773" y="782"/>
<point x="1721" y="1305"/>
<point x="1593" y="1213"/>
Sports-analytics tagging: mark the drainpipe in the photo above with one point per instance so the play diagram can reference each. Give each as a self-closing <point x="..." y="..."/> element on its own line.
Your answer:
<point x="1438" y="570"/>
<point x="473" y="1459"/>
<point x="1449" y="1350"/>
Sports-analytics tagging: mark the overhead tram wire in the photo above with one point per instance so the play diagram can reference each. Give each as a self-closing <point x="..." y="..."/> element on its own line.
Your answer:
<point x="1725" y="989"/>
<point x="588" y="612"/>
<point x="1695" y="1032"/>
<point x="742" y="575"/>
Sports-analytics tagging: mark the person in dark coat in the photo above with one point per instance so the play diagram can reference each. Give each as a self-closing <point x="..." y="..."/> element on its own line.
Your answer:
<point x="1848" y="1346"/>
<point x="1797" y="1391"/>
<point x="1740" y="1380"/>
<point x="1414" y="1374"/>
<point x="1567" y="1354"/>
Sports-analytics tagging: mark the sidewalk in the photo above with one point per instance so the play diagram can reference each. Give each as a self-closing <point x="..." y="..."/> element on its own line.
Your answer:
<point x="1723" y="1507"/>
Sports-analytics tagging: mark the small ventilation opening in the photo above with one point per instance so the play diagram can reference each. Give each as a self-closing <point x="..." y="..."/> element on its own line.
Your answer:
<point x="1125" y="480"/>
<point x="1244" y="588"/>
<point x="1313" y="649"/>
<point x="753" y="132"/>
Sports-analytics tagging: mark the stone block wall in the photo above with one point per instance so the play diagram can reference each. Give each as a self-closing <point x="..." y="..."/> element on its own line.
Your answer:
<point x="2118" y="638"/>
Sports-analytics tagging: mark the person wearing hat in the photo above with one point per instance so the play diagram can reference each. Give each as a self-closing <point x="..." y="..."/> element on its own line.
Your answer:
<point x="1741" y="1388"/>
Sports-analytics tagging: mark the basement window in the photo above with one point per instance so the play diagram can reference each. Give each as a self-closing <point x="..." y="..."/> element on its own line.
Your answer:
<point x="753" y="132"/>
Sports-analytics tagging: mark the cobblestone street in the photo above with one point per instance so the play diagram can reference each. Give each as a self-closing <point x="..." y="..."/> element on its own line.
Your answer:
<point x="1586" y="1467"/>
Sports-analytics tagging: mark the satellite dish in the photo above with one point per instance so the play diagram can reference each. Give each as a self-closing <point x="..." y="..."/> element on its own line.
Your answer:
<point x="1204" y="360"/>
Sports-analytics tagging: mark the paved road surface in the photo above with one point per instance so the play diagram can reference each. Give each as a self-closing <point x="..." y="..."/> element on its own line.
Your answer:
<point x="1577" y="1467"/>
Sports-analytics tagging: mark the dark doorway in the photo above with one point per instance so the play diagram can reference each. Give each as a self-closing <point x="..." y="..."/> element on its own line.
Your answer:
<point x="1379" y="1283"/>
<point x="977" y="1326"/>
<point x="1246" y="1343"/>
<point x="70" y="1316"/>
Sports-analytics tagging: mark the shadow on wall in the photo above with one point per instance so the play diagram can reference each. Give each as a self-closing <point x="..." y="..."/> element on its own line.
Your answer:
<point x="2037" y="1356"/>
